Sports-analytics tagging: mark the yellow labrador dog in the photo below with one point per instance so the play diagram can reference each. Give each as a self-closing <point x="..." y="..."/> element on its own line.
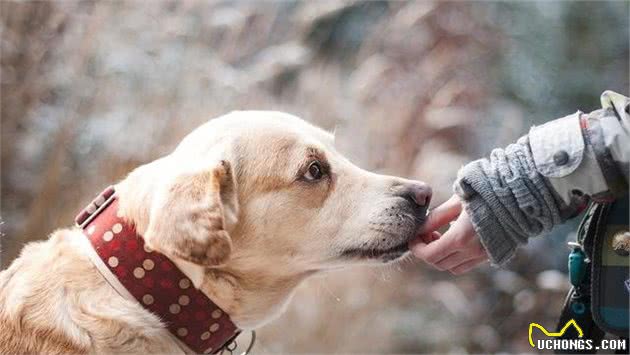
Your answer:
<point x="247" y="206"/>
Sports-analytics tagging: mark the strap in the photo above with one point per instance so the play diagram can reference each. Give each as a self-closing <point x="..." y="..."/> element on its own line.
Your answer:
<point x="577" y="307"/>
<point x="609" y="297"/>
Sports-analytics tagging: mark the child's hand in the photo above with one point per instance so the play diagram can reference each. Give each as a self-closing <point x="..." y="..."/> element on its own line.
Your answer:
<point x="458" y="250"/>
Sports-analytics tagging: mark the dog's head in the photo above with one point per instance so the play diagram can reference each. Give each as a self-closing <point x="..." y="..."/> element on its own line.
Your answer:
<point x="265" y="196"/>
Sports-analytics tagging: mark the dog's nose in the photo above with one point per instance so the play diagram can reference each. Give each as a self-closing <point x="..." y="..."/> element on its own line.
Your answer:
<point x="417" y="193"/>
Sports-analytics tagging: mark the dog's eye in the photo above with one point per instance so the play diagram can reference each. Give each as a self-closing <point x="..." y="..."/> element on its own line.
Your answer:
<point x="314" y="172"/>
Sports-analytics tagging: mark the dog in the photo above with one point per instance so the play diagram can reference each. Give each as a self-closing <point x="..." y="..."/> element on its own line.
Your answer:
<point x="247" y="206"/>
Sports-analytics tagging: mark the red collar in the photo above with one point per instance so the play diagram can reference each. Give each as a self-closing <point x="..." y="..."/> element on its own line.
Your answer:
<point x="152" y="279"/>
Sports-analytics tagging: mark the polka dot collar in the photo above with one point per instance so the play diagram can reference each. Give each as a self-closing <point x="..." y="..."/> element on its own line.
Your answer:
<point x="153" y="280"/>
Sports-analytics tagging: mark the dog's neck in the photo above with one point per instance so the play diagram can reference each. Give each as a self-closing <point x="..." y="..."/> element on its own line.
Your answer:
<point x="251" y="296"/>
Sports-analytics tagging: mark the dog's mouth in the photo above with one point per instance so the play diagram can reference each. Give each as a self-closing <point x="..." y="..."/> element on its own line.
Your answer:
<point x="385" y="255"/>
<point x="390" y="237"/>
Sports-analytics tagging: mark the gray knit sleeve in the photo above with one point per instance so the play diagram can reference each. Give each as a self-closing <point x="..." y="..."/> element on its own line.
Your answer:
<point x="508" y="200"/>
<point x="547" y="176"/>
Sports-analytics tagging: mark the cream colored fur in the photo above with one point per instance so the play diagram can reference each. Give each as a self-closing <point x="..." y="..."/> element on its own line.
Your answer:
<point x="232" y="208"/>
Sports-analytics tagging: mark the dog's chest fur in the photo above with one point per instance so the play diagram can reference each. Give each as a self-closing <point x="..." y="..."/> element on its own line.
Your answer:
<point x="53" y="300"/>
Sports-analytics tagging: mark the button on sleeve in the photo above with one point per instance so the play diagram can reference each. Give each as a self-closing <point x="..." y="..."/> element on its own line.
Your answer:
<point x="557" y="146"/>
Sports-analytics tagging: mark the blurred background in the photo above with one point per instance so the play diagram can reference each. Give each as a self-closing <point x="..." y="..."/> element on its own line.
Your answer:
<point x="90" y="90"/>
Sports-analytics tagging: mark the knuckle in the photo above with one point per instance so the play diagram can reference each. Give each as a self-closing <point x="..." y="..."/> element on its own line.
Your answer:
<point x="432" y="259"/>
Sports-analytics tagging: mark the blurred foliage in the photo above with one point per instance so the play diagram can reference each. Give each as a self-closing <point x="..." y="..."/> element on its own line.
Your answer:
<point x="92" y="89"/>
<point x="559" y="56"/>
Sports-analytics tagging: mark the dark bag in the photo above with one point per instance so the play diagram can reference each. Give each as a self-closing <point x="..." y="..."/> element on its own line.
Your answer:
<point x="599" y="269"/>
<point x="610" y="278"/>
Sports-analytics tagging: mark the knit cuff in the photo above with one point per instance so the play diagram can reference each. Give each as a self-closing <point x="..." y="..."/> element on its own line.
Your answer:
<point x="492" y="235"/>
<point x="507" y="200"/>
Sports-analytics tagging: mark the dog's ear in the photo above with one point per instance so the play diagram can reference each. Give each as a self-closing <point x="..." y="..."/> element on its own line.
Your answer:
<point x="192" y="213"/>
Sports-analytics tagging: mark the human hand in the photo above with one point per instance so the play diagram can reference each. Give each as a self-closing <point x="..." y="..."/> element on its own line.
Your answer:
<point x="459" y="249"/>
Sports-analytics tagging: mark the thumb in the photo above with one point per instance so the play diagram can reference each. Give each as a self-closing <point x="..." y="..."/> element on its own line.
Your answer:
<point x="442" y="215"/>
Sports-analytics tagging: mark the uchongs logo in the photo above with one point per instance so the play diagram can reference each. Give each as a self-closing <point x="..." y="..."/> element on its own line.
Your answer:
<point x="554" y="340"/>
<point x="570" y="323"/>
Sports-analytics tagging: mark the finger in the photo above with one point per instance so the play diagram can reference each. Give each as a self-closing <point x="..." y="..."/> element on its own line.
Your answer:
<point x="433" y="237"/>
<point x="442" y="214"/>
<point x="438" y="266"/>
<point x="461" y="239"/>
<point x="455" y="259"/>
<point x="468" y="265"/>
<point x="428" y="238"/>
<point x="433" y="251"/>
<point x="472" y="252"/>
